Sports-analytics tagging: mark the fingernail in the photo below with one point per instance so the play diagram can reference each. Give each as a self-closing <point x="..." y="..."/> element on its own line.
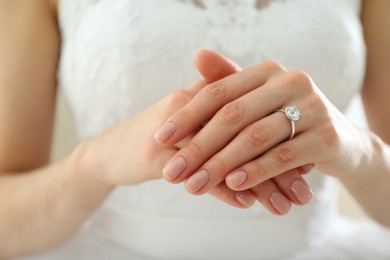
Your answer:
<point x="236" y="179"/>
<point x="165" y="132"/>
<point x="197" y="181"/>
<point x="245" y="198"/>
<point x="301" y="191"/>
<point x="280" y="202"/>
<point x="174" y="168"/>
<point x="307" y="168"/>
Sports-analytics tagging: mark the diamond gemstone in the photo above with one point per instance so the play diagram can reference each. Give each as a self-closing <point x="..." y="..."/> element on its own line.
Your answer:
<point x="292" y="113"/>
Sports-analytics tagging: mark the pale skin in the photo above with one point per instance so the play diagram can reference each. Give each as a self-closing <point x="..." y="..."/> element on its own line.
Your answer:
<point x="42" y="204"/>
<point x="242" y="125"/>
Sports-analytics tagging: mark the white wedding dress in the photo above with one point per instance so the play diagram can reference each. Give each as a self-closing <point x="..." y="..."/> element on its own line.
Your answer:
<point x="118" y="57"/>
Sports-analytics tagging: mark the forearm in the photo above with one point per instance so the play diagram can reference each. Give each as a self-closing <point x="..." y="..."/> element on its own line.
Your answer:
<point x="370" y="184"/>
<point x="42" y="208"/>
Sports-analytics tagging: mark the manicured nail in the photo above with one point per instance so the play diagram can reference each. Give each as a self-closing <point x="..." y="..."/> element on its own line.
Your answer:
<point x="306" y="168"/>
<point x="165" y="132"/>
<point x="236" y="179"/>
<point x="174" y="168"/>
<point x="197" y="181"/>
<point x="280" y="202"/>
<point x="245" y="198"/>
<point x="301" y="191"/>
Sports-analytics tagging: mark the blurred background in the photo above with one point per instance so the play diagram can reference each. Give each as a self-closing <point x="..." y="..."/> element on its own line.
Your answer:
<point x="65" y="140"/>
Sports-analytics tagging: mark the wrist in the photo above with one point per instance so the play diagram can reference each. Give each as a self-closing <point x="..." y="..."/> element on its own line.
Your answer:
<point x="99" y="160"/>
<point x="85" y="163"/>
<point x="368" y="158"/>
<point x="369" y="184"/>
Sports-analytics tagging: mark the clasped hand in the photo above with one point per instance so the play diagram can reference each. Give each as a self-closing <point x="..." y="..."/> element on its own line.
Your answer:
<point x="242" y="151"/>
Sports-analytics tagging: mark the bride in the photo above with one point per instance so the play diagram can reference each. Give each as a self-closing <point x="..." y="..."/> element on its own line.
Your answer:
<point x="244" y="136"/>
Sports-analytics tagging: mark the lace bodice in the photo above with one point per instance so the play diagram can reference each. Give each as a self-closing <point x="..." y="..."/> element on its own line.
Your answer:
<point x="321" y="37"/>
<point x="119" y="57"/>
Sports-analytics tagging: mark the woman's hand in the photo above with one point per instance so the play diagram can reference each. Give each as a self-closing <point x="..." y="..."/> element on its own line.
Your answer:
<point x="246" y="143"/>
<point x="128" y="153"/>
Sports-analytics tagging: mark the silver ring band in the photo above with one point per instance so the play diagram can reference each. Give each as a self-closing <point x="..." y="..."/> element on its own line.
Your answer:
<point x="293" y="114"/>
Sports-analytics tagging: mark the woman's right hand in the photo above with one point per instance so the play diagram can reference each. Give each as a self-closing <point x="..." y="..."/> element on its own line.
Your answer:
<point x="127" y="153"/>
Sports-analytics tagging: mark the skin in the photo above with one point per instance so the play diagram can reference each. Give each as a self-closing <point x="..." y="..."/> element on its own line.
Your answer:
<point x="242" y="128"/>
<point x="42" y="204"/>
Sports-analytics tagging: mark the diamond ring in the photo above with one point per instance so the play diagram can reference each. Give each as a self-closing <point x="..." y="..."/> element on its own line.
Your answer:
<point x="292" y="114"/>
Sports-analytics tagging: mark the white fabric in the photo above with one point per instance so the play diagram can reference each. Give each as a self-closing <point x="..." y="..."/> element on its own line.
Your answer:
<point x="119" y="57"/>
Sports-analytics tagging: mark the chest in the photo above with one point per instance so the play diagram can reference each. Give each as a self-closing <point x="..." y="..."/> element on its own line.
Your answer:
<point x="142" y="50"/>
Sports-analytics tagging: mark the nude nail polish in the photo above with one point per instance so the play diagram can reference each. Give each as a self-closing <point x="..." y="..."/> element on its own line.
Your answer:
<point x="165" y="132"/>
<point x="280" y="202"/>
<point x="197" y="181"/>
<point x="174" y="168"/>
<point x="301" y="191"/>
<point x="245" y="198"/>
<point x="236" y="179"/>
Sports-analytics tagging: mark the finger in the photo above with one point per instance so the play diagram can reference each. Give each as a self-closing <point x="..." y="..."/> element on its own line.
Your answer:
<point x="227" y="123"/>
<point x="214" y="66"/>
<point x="239" y="199"/>
<point x="286" y="156"/>
<point x="195" y="87"/>
<point x="222" y="128"/>
<point x="247" y="145"/>
<point x="269" y="195"/>
<point x="305" y="169"/>
<point x="214" y="96"/>
<point x="294" y="187"/>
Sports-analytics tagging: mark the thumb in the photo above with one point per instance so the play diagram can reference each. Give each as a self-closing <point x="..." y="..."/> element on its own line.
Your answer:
<point x="214" y="66"/>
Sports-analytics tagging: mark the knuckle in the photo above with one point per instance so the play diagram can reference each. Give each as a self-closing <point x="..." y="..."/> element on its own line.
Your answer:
<point x="271" y="65"/>
<point x="298" y="79"/>
<point x="268" y="69"/>
<point x="283" y="154"/>
<point x="301" y="77"/>
<point x="194" y="148"/>
<point x="219" y="165"/>
<point x="231" y="113"/>
<point x="259" y="172"/>
<point x="330" y="137"/>
<point x="257" y="135"/>
<point x="179" y="98"/>
<point x="216" y="90"/>
<point x="315" y="103"/>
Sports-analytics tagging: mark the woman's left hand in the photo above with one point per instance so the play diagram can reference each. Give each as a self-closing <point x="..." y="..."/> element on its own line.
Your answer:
<point x="244" y="140"/>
